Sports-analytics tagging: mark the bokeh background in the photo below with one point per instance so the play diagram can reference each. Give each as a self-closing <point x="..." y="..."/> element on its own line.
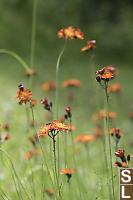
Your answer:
<point x="110" y="23"/>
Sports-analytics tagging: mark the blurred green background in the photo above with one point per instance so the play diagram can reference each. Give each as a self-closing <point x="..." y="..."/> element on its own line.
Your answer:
<point x="110" y="23"/>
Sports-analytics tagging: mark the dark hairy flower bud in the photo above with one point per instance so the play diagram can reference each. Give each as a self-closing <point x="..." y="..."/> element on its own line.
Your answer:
<point x="21" y="87"/>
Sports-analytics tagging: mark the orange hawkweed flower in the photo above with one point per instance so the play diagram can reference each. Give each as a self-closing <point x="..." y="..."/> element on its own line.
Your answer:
<point x="6" y="126"/>
<point x="30" y="72"/>
<point x="90" y="45"/>
<point x="70" y="33"/>
<point x="116" y="87"/>
<point x="44" y="130"/>
<point x="59" y="126"/>
<point x="85" y="138"/>
<point x="7" y="137"/>
<point x="23" y="95"/>
<point x="29" y="155"/>
<point x="104" y="74"/>
<point x="79" y="34"/>
<point x="67" y="171"/>
<point x="51" y="85"/>
<point x="103" y="114"/>
<point x="72" y="128"/>
<point x="120" y="164"/>
<point x="71" y="82"/>
<point x="116" y="132"/>
<point x="61" y="33"/>
<point x="50" y="192"/>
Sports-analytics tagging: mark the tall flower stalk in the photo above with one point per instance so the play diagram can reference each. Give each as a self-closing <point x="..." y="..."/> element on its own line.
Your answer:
<point x="109" y="139"/>
<point x="68" y="34"/>
<point x="33" y="39"/>
<point x="52" y="130"/>
<point x="103" y="77"/>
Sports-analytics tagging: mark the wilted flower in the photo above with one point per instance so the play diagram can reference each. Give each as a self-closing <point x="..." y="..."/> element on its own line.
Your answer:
<point x="90" y="46"/>
<point x="47" y="106"/>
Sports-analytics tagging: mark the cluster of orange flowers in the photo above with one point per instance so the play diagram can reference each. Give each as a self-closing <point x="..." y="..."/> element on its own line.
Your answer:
<point x="52" y="127"/>
<point x="31" y="153"/>
<point x="103" y="114"/>
<point x="116" y="132"/>
<point x="124" y="159"/>
<point x="70" y="33"/>
<point x="106" y="73"/>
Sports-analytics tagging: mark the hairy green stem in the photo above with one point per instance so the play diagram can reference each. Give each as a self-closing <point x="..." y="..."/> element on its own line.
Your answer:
<point x="109" y="139"/>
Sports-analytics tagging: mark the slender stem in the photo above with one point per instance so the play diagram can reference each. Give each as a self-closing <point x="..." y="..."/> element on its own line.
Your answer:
<point x="57" y="79"/>
<point x="105" y="157"/>
<point x="15" y="173"/>
<point x="44" y="160"/>
<point x="57" y="99"/>
<point x="107" y="102"/>
<point x="33" y="38"/>
<point x="17" y="57"/>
